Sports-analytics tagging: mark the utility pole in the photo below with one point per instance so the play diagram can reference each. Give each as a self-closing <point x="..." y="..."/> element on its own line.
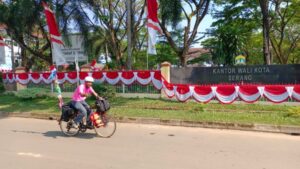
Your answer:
<point x="129" y="33"/>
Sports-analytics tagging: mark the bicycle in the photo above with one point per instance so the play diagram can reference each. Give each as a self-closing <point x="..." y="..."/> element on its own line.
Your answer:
<point x="104" y="126"/>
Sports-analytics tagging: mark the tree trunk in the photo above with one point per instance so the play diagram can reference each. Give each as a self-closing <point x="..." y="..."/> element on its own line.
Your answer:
<point x="264" y="5"/>
<point x="129" y="33"/>
<point x="183" y="56"/>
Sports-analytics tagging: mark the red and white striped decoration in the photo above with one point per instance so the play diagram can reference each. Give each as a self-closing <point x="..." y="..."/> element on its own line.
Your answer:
<point x="225" y="94"/>
<point x="112" y="78"/>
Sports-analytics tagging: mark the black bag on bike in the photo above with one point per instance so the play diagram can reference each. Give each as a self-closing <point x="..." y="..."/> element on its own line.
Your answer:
<point x="102" y="105"/>
<point x="67" y="112"/>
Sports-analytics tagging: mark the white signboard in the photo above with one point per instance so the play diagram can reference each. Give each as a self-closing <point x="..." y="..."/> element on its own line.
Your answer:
<point x="74" y="49"/>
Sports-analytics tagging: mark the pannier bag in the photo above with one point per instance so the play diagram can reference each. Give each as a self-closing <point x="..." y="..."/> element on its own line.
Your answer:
<point x="66" y="112"/>
<point x="96" y="119"/>
<point x="102" y="105"/>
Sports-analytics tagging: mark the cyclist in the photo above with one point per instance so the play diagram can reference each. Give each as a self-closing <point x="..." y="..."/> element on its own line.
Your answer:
<point x="78" y="101"/>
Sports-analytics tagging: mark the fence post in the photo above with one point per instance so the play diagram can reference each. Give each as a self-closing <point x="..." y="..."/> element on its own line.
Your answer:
<point x="19" y="85"/>
<point x="165" y="72"/>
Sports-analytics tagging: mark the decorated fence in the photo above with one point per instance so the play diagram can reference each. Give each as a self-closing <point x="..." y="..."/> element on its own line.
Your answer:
<point x="202" y="93"/>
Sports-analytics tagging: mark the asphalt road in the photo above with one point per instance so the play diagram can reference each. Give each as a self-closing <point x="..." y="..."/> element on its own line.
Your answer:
<point x="38" y="144"/>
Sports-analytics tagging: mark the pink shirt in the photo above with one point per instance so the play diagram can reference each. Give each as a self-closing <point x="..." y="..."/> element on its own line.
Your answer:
<point x="81" y="89"/>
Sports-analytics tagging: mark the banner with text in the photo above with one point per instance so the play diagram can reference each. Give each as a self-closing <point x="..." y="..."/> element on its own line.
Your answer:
<point x="74" y="49"/>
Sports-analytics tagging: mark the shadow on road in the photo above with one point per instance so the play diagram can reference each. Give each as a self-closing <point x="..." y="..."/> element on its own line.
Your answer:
<point x="56" y="134"/>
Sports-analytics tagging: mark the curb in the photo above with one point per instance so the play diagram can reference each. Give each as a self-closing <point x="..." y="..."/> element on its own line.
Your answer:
<point x="293" y="130"/>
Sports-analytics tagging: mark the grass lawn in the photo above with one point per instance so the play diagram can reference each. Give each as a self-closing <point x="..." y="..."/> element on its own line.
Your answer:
<point x="167" y="109"/>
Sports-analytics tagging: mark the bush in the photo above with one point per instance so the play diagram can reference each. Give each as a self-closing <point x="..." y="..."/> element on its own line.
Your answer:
<point x="294" y="112"/>
<point x="10" y="93"/>
<point x="2" y="89"/>
<point x="33" y="93"/>
<point x="105" y="90"/>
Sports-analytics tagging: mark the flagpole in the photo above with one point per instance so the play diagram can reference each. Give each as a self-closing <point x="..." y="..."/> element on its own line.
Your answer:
<point x="52" y="85"/>
<point x="147" y="55"/>
<point x="12" y="56"/>
<point x="77" y="69"/>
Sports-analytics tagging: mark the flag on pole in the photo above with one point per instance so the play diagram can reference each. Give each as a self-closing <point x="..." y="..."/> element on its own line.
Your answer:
<point x="2" y="51"/>
<point x="153" y="25"/>
<point x="53" y="72"/>
<point x="53" y="77"/>
<point x="55" y="37"/>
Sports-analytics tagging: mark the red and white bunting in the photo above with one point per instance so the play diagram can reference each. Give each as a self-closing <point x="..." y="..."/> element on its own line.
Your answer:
<point x="276" y="93"/>
<point x="183" y="93"/>
<point x="203" y="94"/>
<point x="249" y="93"/>
<point x="296" y="93"/>
<point x="226" y="94"/>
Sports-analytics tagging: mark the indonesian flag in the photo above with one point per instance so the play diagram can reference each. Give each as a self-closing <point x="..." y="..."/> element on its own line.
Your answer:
<point x="55" y="36"/>
<point x="153" y="25"/>
<point x="2" y="51"/>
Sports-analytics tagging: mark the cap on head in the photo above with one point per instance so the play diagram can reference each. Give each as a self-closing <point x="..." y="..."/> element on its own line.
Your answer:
<point x="89" y="79"/>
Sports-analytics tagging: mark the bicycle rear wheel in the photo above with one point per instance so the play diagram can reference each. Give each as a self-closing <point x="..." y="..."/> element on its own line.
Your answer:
<point x="108" y="126"/>
<point x="67" y="128"/>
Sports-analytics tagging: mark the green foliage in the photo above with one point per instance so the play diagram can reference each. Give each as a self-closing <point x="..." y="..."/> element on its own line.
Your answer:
<point x="284" y="34"/>
<point x="293" y="112"/>
<point x="9" y="93"/>
<point x="165" y="53"/>
<point x="170" y="11"/>
<point x="253" y="51"/>
<point x="105" y="90"/>
<point x="23" y="18"/>
<point x="241" y="22"/>
<point x="32" y="93"/>
<point x="1" y="84"/>
<point x="232" y="30"/>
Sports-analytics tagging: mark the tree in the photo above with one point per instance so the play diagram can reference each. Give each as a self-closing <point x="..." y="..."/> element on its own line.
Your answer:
<point x="285" y="34"/>
<point x="229" y="37"/>
<point x="110" y="16"/>
<point x="277" y="18"/>
<point x="170" y="13"/>
<point x="25" y="24"/>
<point x="264" y="5"/>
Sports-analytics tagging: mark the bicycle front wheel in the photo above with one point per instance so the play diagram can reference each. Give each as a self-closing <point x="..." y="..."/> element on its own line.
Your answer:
<point x="108" y="126"/>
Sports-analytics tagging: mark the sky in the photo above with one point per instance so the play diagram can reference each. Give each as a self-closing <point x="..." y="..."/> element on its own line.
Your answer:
<point x="205" y="24"/>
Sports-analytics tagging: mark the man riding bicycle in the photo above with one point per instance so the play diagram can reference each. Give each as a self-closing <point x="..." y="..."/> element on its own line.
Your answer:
<point x="78" y="101"/>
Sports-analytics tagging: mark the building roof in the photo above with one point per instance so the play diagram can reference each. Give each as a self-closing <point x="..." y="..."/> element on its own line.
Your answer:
<point x="194" y="53"/>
